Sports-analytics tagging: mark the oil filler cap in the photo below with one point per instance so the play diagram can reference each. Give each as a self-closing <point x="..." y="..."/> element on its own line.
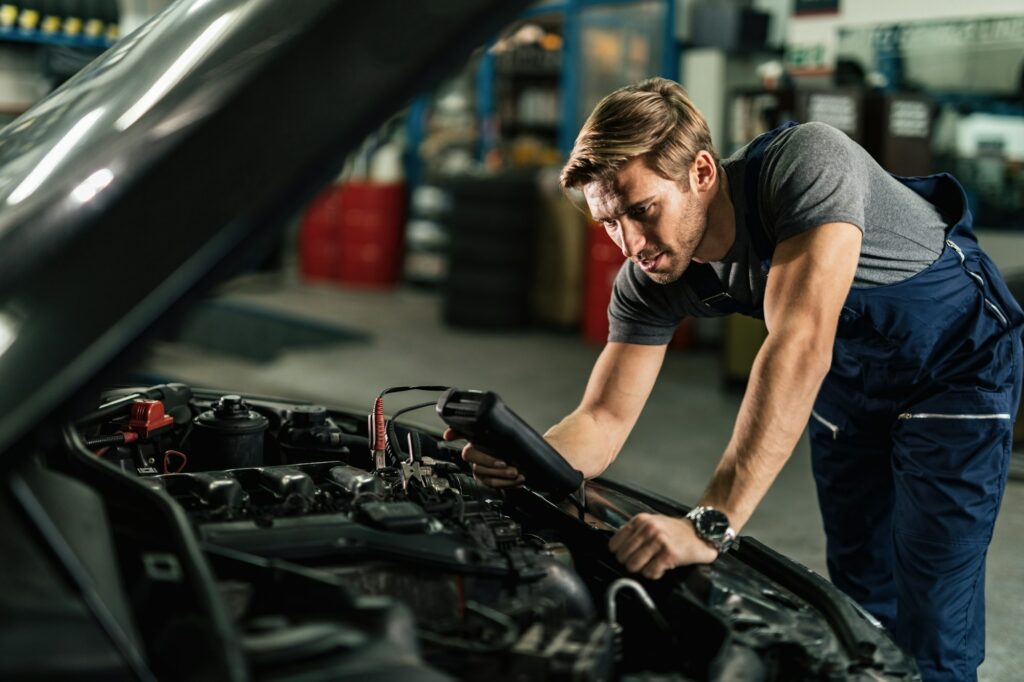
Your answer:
<point x="231" y="414"/>
<point x="229" y="435"/>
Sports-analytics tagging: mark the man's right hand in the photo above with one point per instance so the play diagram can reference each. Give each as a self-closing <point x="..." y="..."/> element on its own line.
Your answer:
<point x="489" y="470"/>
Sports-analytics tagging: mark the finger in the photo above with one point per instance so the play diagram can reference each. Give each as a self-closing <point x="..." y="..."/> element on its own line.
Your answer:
<point x="497" y="472"/>
<point x="474" y="456"/>
<point x="656" y="567"/>
<point x="622" y="535"/>
<point x="501" y="482"/>
<point x="642" y="536"/>
<point x="626" y="532"/>
<point x="639" y="558"/>
<point x="451" y="434"/>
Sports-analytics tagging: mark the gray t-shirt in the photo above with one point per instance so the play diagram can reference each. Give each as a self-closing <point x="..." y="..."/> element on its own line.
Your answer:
<point x="812" y="174"/>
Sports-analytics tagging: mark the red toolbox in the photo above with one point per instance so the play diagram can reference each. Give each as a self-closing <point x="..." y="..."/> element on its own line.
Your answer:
<point x="372" y="225"/>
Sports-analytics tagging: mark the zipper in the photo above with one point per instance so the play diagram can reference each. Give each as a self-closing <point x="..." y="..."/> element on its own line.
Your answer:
<point x="981" y="283"/>
<point x="936" y="415"/>
<point x="963" y="259"/>
<point x="996" y="311"/>
<point x="827" y="424"/>
<point x="950" y="244"/>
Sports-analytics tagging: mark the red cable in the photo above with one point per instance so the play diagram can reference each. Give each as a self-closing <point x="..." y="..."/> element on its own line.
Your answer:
<point x="184" y="461"/>
<point x="379" y="434"/>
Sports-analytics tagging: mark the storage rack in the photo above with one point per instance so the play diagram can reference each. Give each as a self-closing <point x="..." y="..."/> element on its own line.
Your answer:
<point x="68" y="24"/>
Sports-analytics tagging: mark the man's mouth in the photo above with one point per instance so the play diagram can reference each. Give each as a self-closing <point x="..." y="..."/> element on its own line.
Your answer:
<point x="650" y="264"/>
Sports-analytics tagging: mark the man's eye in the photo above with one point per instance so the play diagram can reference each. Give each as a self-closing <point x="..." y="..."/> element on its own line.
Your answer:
<point x="638" y="211"/>
<point x="609" y="224"/>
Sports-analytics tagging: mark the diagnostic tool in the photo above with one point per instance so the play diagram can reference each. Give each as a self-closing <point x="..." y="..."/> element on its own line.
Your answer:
<point x="484" y="419"/>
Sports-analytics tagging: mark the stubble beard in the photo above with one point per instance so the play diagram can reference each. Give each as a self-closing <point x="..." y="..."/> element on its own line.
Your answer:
<point x="690" y="229"/>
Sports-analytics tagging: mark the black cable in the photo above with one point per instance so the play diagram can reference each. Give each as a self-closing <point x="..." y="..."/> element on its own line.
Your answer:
<point x="410" y="408"/>
<point x="79" y="576"/>
<point x="400" y="389"/>
<point x="389" y="451"/>
<point x="393" y="434"/>
<point x="101" y="441"/>
<point x="109" y="410"/>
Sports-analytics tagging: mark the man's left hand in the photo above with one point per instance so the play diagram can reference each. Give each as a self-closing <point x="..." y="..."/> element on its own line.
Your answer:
<point x="652" y="544"/>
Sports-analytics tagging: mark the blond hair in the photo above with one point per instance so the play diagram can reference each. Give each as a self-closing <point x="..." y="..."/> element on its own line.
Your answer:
<point x="654" y="120"/>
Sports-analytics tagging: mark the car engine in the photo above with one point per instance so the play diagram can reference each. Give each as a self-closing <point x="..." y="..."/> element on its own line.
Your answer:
<point x="323" y="545"/>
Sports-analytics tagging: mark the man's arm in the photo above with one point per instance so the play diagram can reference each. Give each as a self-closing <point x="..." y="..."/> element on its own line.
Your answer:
<point x="810" y="276"/>
<point x="591" y="436"/>
<point x="808" y="283"/>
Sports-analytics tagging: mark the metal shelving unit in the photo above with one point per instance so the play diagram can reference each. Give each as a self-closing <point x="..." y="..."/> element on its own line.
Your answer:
<point x="39" y="37"/>
<point x="578" y="18"/>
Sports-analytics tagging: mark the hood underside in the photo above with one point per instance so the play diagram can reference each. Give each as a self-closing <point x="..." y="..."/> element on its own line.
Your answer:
<point x="161" y="163"/>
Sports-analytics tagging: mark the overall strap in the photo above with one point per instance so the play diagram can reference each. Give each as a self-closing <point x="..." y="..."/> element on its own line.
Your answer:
<point x="751" y="192"/>
<point x="701" y="277"/>
<point x="704" y="281"/>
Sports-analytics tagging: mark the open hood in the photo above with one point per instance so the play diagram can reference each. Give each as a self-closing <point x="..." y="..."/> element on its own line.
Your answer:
<point x="161" y="161"/>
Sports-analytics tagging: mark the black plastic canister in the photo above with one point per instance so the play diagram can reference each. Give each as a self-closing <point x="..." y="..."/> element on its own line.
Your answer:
<point x="229" y="436"/>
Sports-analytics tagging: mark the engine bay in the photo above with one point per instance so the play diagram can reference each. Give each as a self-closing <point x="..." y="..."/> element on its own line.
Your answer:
<point x="327" y="537"/>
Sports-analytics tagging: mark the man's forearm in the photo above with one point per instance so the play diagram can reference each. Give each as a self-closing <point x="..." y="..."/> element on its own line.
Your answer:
<point x="588" y="442"/>
<point x="622" y="378"/>
<point x="784" y="382"/>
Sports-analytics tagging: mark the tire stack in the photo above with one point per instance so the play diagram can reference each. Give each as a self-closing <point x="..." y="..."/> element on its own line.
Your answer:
<point x="492" y="228"/>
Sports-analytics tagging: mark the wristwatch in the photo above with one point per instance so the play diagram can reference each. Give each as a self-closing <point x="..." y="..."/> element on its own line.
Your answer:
<point x="713" y="526"/>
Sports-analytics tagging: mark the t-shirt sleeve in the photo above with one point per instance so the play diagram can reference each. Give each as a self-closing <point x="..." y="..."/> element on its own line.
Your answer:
<point x="644" y="312"/>
<point x="812" y="176"/>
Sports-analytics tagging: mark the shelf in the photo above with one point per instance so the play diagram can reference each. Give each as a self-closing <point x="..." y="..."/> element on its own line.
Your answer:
<point x="529" y="61"/>
<point x="532" y="74"/>
<point x="19" y="35"/>
<point x="545" y="129"/>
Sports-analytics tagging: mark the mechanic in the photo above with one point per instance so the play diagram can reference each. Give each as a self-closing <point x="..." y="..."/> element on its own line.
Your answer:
<point x="890" y="332"/>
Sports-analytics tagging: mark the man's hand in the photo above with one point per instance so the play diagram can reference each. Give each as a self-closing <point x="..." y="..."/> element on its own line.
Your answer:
<point x="489" y="470"/>
<point x="652" y="544"/>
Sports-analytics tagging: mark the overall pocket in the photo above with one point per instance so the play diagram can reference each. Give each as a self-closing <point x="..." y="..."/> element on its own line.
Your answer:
<point x="984" y="274"/>
<point x="833" y="428"/>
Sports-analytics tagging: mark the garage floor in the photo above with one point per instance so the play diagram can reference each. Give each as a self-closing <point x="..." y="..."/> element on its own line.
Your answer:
<point x="397" y="339"/>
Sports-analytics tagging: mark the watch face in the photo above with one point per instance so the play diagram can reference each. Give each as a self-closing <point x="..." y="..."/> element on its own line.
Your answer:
<point x="712" y="523"/>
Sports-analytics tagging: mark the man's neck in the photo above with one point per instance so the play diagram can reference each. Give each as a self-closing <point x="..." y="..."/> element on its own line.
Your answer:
<point x="721" y="229"/>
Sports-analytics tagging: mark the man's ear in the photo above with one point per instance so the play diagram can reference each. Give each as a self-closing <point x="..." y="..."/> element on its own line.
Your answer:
<point x="703" y="172"/>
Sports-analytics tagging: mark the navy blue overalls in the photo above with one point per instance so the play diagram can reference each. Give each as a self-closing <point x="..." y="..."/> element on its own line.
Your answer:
<point x="911" y="433"/>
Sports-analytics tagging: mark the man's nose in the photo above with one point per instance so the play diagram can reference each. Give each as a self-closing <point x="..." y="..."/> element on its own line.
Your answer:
<point x="633" y="240"/>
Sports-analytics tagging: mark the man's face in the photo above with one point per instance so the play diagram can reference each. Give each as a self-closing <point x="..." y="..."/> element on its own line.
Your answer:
<point x="656" y="224"/>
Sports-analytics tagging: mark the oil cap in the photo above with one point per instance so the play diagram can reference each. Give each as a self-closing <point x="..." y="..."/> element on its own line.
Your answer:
<point x="231" y="414"/>
<point x="229" y="435"/>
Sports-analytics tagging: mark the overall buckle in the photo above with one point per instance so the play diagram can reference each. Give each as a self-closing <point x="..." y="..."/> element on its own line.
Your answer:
<point x="711" y="300"/>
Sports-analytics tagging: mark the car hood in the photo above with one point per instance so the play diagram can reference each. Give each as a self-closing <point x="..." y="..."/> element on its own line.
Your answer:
<point x="150" y="173"/>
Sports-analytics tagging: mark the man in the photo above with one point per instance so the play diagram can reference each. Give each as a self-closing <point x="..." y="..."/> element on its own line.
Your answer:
<point x="890" y="332"/>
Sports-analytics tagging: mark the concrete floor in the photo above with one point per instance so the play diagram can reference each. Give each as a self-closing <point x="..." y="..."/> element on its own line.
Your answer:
<point x="673" y="449"/>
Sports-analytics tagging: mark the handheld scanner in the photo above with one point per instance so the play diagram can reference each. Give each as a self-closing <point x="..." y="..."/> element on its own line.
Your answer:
<point x="483" y="418"/>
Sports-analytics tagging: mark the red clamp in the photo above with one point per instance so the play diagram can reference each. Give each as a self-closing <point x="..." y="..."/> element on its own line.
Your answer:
<point x="148" y="416"/>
